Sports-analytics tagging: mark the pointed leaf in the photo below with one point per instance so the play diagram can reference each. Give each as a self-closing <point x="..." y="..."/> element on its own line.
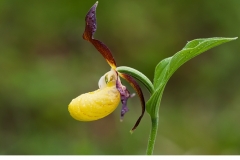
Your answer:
<point x="165" y="69"/>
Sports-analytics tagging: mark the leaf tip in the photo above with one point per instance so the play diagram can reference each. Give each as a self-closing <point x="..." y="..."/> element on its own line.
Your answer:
<point x="234" y="38"/>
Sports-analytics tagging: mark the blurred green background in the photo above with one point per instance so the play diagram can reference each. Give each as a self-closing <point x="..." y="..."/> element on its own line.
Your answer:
<point x="45" y="63"/>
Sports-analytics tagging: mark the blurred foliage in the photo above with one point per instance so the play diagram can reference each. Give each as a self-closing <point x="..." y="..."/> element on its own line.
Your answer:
<point x="45" y="63"/>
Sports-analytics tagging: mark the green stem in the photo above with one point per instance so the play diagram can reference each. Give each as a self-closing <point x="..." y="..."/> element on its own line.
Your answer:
<point x="138" y="75"/>
<point x="152" y="136"/>
<point x="148" y="84"/>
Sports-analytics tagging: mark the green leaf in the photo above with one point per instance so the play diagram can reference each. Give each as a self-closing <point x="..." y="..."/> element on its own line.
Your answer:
<point x="165" y="69"/>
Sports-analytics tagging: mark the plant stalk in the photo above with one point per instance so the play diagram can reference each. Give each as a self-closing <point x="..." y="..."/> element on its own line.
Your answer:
<point x="152" y="136"/>
<point x="148" y="84"/>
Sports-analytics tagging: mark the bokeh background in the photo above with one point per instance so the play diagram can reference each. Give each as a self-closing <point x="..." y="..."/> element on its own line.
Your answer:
<point x="45" y="63"/>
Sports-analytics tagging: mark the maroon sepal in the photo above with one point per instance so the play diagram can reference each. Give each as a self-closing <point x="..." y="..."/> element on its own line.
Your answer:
<point x="90" y="29"/>
<point x="137" y="88"/>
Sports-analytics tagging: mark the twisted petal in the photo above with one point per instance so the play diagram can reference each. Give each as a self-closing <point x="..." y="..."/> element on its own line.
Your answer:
<point x="137" y="88"/>
<point x="90" y="29"/>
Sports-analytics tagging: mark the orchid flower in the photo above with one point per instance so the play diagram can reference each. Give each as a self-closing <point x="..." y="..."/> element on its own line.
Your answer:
<point x="100" y="103"/>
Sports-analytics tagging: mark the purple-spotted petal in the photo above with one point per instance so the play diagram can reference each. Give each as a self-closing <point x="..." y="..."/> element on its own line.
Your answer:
<point x="91" y="25"/>
<point x="90" y="29"/>
<point x="125" y="94"/>
<point x="137" y="88"/>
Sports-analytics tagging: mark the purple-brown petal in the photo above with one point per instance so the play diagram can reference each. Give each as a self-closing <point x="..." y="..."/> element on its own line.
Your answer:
<point x="105" y="51"/>
<point x="91" y="23"/>
<point x="137" y="88"/>
<point x="90" y="29"/>
<point x="125" y="94"/>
